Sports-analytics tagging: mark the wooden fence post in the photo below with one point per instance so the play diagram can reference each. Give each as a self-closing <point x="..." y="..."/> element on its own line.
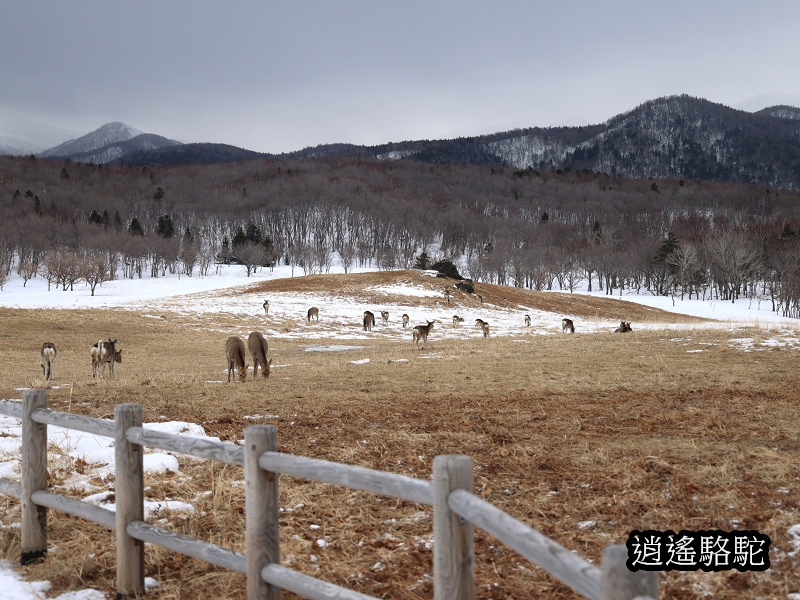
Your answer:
<point x="453" y="548"/>
<point x="33" y="526"/>
<point x="620" y="583"/>
<point x="129" y="492"/>
<point x="261" y="511"/>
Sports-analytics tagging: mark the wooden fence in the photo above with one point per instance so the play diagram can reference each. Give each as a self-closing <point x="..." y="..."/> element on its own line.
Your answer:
<point x="456" y="510"/>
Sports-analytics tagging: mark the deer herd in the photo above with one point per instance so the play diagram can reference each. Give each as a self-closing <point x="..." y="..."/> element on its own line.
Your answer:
<point x="105" y="353"/>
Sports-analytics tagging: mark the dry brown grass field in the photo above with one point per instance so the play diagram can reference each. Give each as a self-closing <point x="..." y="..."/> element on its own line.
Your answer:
<point x="583" y="437"/>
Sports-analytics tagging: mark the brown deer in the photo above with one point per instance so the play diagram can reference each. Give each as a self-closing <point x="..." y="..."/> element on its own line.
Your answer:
<point x="624" y="327"/>
<point x="266" y="307"/>
<point x="257" y="345"/>
<point x="485" y="330"/>
<point x="405" y="320"/>
<point x="479" y="323"/>
<point x="567" y="326"/>
<point x="479" y="297"/>
<point x="420" y="332"/>
<point x="527" y="320"/>
<point x="385" y="316"/>
<point x="457" y="320"/>
<point x="505" y="302"/>
<point x="447" y="295"/>
<point x="369" y="320"/>
<point x="313" y="313"/>
<point x="48" y="358"/>
<point x="105" y="353"/>
<point x="236" y="357"/>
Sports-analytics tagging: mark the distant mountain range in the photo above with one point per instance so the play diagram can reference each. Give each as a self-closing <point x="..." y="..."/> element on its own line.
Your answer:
<point x="676" y="136"/>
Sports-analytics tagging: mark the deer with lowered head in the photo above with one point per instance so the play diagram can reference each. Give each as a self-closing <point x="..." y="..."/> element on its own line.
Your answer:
<point x="479" y="323"/>
<point x="48" y="358"/>
<point x="257" y="345"/>
<point x="457" y="320"/>
<point x="313" y="313"/>
<point x="236" y="357"/>
<point x="567" y="326"/>
<point x="420" y="332"/>
<point x="369" y="320"/>
<point x="527" y="320"/>
<point x="105" y="353"/>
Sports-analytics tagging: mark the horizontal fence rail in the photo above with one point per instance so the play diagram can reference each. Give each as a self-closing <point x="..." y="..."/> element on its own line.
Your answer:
<point x="456" y="511"/>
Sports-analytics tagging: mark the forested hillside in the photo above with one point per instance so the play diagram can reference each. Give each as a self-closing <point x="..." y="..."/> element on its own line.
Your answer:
<point x="554" y="229"/>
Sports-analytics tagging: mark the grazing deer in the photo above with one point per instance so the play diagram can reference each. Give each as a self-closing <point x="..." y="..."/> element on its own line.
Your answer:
<point x="420" y="332"/>
<point x="623" y="327"/>
<point x="369" y="320"/>
<point x="385" y="316"/>
<point x="527" y="320"/>
<point x="48" y="358"/>
<point x="405" y="320"/>
<point x="457" y="320"/>
<point x="485" y="329"/>
<point x="236" y="357"/>
<point x="479" y="323"/>
<point x="567" y="326"/>
<point x="257" y="345"/>
<point x="105" y="353"/>
<point x="313" y="313"/>
<point x="266" y="307"/>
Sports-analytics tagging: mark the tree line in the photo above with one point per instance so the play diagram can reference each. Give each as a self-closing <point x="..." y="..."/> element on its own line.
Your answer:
<point x="557" y="229"/>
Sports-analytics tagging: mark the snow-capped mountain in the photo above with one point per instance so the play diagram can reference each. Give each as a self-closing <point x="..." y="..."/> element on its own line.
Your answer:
<point x="109" y="142"/>
<point x="21" y="136"/>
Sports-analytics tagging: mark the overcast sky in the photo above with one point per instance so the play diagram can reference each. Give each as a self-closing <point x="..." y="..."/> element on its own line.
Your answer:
<point x="276" y="77"/>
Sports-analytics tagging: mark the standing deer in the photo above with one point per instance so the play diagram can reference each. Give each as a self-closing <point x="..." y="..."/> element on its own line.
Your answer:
<point x="236" y="357"/>
<point x="313" y="313"/>
<point x="369" y="320"/>
<point x="457" y="320"/>
<point x="505" y="302"/>
<point x="266" y="307"/>
<point x="623" y="327"/>
<point x="105" y="353"/>
<point x="479" y="297"/>
<point x="567" y="326"/>
<point x="385" y="316"/>
<point x="479" y="323"/>
<point x="527" y="320"/>
<point x="405" y="320"/>
<point x="485" y="330"/>
<point x="48" y="358"/>
<point x="257" y="345"/>
<point x="447" y="295"/>
<point x="420" y="332"/>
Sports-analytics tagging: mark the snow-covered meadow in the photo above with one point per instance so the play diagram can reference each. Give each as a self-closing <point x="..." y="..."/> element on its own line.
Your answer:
<point x="340" y="318"/>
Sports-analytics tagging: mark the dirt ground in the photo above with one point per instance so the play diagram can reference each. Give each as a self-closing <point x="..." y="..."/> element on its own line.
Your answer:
<point x="582" y="437"/>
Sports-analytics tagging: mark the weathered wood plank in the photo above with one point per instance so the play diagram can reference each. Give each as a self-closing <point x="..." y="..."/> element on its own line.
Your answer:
<point x="453" y="548"/>
<point x="359" y="478"/>
<point x="570" y="569"/>
<point x="261" y="511"/>
<point x="78" y="422"/>
<point x="185" y="444"/>
<point x="307" y="586"/>
<point x="33" y="525"/>
<point x="129" y="492"/>
<point x="620" y="583"/>
<point x="77" y="508"/>
<point x="184" y="544"/>
<point x="11" y="409"/>
<point x="11" y="488"/>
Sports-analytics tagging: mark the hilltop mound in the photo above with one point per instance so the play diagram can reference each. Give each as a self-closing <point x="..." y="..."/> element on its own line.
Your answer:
<point x="425" y="289"/>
